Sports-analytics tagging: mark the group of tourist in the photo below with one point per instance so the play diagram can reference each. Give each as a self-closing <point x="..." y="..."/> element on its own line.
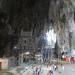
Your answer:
<point x="50" y="69"/>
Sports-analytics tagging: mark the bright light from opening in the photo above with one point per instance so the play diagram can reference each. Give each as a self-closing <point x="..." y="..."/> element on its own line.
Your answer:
<point x="51" y="37"/>
<point x="27" y="53"/>
<point x="15" y="47"/>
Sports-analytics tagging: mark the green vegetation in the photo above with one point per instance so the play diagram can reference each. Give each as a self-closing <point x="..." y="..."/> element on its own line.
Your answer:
<point x="5" y="73"/>
<point x="56" y="52"/>
<point x="63" y="19"/>
<point x="73" y="41"/>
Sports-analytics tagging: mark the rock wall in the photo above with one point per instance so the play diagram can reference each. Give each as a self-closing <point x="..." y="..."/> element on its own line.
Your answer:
<point x="61" y="12"/>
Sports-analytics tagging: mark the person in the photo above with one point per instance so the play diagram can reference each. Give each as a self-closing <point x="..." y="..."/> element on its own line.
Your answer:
<point x="56" y="66"/>
<point x="39" y="70"/>
<point x="62" y="68"/>
<point x="36" y="71"/>
<point x="50" y="72"/>
<point x="62" y="55"/>
<point x="53" y="68"/>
